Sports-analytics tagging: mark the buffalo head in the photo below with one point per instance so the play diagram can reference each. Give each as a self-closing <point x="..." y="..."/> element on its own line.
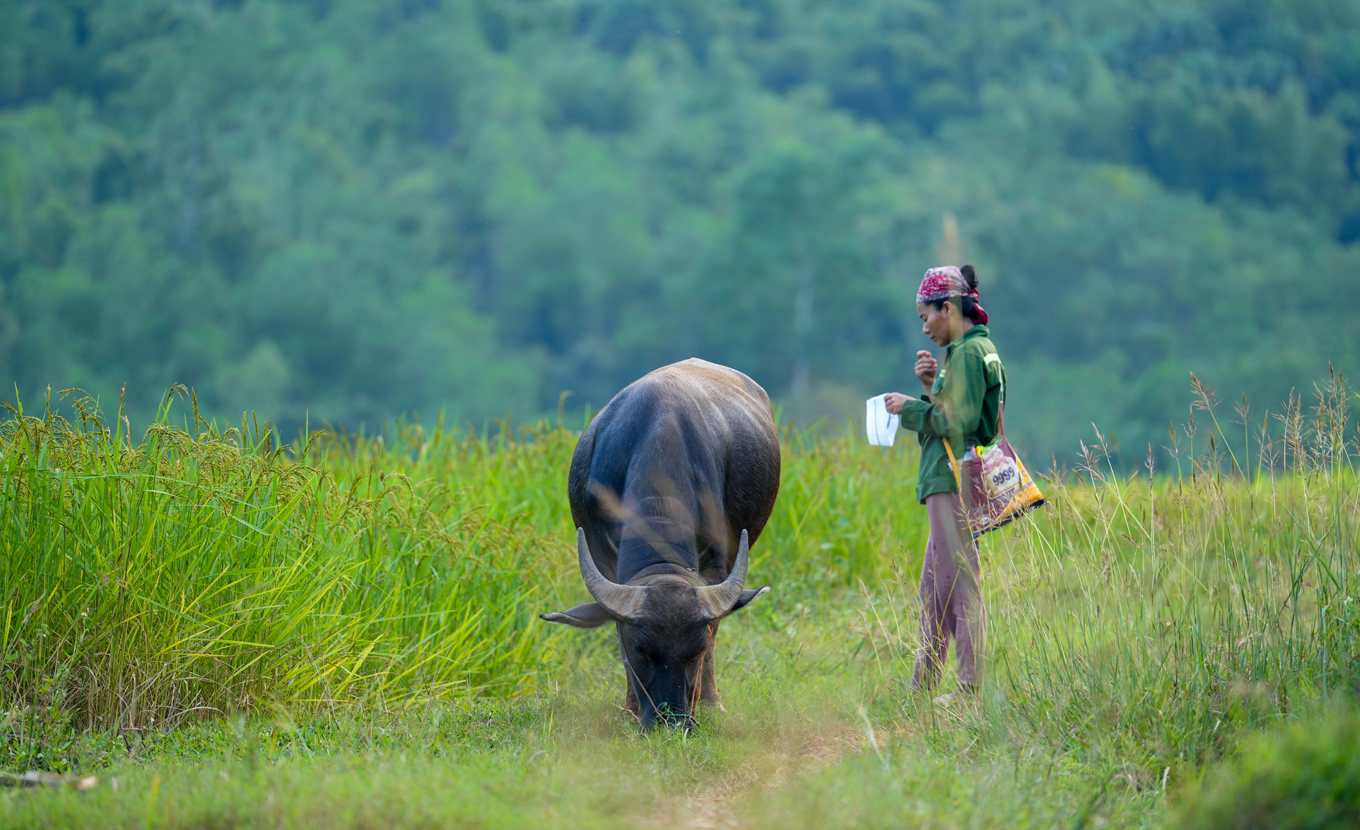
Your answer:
<point x="665" y="626"/>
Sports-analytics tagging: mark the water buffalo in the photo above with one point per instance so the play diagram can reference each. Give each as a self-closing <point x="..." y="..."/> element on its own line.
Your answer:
<point x="669" y="486"/>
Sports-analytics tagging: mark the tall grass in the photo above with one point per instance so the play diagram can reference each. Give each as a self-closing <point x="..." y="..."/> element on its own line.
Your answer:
<point x="840" y="516"/>
<point x="1139" y="625"/>
<point x="206" y="571"/>
<point x="847" y="512"/>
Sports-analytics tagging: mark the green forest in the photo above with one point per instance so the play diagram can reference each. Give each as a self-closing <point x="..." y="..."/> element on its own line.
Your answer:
<point x="342" y="211"/>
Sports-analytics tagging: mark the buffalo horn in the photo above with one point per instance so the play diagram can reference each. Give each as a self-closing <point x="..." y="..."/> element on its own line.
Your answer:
<point x="623" y="602"/>
<point x="719" y="599"/>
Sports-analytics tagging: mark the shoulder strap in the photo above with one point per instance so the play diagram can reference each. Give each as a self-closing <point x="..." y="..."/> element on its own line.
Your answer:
<point x="1001" y="407"/>
<point x="953" y="464"/>
<point x="987" y="360"/>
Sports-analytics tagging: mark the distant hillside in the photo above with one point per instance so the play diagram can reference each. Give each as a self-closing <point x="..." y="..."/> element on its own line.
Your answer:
<point x="347" y="209"/>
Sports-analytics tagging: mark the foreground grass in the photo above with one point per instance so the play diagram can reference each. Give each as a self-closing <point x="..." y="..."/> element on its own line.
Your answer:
<point x="1139" y="631"/>
<point x="813" y="737"/>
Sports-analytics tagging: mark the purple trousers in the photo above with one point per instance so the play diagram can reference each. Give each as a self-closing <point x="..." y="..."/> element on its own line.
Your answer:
<point x="951" y="597"/>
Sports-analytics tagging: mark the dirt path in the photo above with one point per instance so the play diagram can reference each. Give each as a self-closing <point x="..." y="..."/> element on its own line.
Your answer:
<point x="712" y="809"/>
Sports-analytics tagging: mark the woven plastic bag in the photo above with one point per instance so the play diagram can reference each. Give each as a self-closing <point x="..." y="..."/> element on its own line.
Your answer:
<point x="994" y="485"/>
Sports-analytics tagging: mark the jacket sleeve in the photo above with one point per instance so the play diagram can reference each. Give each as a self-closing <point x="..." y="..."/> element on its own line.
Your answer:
<point x="956" y="409"/>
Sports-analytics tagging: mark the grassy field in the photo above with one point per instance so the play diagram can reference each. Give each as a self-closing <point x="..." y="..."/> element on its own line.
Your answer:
<point x="344" y="634"/>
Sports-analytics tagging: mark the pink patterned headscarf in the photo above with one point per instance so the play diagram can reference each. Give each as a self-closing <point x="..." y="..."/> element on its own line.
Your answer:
<point x="944" y="282"/>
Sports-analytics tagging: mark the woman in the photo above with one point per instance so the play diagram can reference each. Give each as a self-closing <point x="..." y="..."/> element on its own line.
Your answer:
<point x="962" y="404"/>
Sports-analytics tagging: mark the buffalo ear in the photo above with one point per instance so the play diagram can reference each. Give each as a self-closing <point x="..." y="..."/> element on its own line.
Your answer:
<point x="590" y="615"/>
<point x="747" y="597"/>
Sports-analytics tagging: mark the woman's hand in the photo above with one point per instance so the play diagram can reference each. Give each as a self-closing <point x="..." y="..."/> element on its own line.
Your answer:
<point x="926" y="367"/>
<point x="894" y="401"/>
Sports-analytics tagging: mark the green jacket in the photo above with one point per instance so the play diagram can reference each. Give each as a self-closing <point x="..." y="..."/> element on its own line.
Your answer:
<point x="964" y="405"/>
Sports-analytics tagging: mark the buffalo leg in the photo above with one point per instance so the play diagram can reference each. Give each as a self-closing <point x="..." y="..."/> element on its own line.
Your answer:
<point x="630" y="699"/>
<point x="709" y="690"/>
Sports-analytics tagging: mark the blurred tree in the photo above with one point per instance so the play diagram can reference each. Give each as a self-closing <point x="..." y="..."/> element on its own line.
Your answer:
<point x="346" y="209"/>
<point x="795" y="285"/>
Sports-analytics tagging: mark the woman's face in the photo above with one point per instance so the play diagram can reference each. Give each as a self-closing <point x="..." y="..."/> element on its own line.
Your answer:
<point x="937" y="323"/>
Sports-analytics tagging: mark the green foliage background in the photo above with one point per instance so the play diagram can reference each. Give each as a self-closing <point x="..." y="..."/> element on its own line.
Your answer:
<point x="346" y="209"/>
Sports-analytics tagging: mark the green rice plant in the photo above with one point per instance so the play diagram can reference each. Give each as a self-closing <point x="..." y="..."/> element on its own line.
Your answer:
<point x="1148" y="622"/>
<point x="517" y="476"/>
<point x="847" y="511"/>
<point x="192" y="574"/>
<point x="840" y="516"/>
<point x="1140" y="629"/>
<point x="1141" y="626"/>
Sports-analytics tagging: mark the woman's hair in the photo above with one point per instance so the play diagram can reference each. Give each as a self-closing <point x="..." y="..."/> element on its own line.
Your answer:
<point x="966" y="304"/>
